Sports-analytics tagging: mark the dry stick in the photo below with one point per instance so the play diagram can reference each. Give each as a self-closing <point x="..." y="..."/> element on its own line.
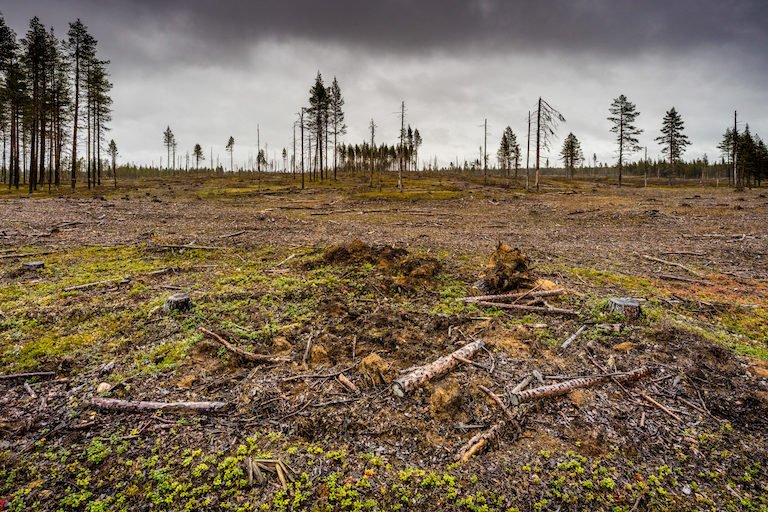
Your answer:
<point x="537" y="309"/>
<point x="441" y="366"/>
<point x="286" y="260"/>
<point x="669" y="277"/>
<point x="85" y="286"/>
<point x="562" y="388"/>
<point x="523" y="384"/>
<point x="308" y="349"/>
<point x="248" y="356"/>
<point x="672" y="263"/>
<point x="572" y="337"/>
<point x="518" y="296"/>
<point x="526" y="294"/>
<point x="202" y="247"/>
<point x="478" y="442"/>
<point x="660" y="406"/>
<point x="498" y="401"/>
<point x="19" y="255"/>
<point x="113" y="404"/>
<point x="29" y="375"/>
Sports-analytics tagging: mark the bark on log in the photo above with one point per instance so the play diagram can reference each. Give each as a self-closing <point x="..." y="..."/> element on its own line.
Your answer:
<point x="478" y="442"/>
<point x="422" y="374"/>
<point x="113" y="404"/>
<point x="562" y="388"/>
<point x="535" y="309"/>
<point x="248" y="356"/>
<point x="512" y="296"/>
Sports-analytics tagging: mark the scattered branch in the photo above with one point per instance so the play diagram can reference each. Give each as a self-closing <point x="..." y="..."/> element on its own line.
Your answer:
<point x="248" y="356"/>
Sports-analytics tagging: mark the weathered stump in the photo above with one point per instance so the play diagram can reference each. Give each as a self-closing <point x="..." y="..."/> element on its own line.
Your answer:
<point x="178" y="302"/>
<point x="32" y="265"/>
<point x="626" y="307"/>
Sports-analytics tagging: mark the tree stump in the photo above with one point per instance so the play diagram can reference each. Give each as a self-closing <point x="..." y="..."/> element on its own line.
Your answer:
<point x="32" y="265"/>
<point x="178" y="302"/>
<point x="626" y="307"/>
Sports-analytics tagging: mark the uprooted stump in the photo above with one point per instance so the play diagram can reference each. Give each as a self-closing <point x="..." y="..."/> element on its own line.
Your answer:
<point x="508" y="269"/>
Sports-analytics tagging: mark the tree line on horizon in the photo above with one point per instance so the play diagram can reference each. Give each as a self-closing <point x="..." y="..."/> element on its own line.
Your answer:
<point x="51" y="90"/>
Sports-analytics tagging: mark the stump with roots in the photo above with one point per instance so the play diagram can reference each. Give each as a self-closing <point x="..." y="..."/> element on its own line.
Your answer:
<point x="627" y="308"/>
<point x="178" y="302"/>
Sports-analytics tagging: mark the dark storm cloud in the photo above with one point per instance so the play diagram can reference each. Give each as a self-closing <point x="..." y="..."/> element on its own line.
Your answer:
<point x="414" y="26"/>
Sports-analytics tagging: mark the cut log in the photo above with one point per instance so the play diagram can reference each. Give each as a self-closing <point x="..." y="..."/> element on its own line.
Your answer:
<point x="178" y="302"/>
<point x="248" y="356"/>
<point x="29" y="375"/>
<point x="113" y="404"/>
<point x="441" y="366"/>
<point x="535" y="309"/>
<point x="562" y="388"/>
<point x="479" y="442"/>
<point x="626" y="307"/>
<point x="513" y="296"/>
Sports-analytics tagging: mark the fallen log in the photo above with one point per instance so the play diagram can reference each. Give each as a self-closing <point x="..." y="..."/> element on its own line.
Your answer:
<point x="478" y="442"/>
<point x="113" y="404"/>
<point x="94" y="284"/>
<point x="29" y="375"/>
<point x="521" y="307"/>
<point x="198" y="247"/>
<point x="441" y="366"/>
<point x="669" y="277"/>
<point x="512" y="296"/>
<point x="248" y="356"/>
<point x="562" y="388"/>
<point x="24" y="255"/>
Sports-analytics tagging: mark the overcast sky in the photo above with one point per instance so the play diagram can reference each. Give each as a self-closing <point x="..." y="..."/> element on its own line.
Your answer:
<point x="211" y="69"/>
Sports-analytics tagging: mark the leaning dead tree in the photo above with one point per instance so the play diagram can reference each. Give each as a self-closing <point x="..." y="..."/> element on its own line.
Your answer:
<point x="441" y="366"/>
<point x="547" y="119"/>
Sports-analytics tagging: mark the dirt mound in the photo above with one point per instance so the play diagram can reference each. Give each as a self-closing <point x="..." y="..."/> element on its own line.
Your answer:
<point x="401" y="270"/>
<point x="508" y="269"/>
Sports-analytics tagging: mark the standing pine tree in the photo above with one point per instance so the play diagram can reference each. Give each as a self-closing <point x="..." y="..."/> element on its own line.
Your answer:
<point x="112" y="152"/>
<point x="168" y="141"/>
<point x="417" y="142"/>
<point x="197" y="152"/>
<point x="504" y="153"/>
<point x="623" y="116"/>
<point x="672" y="138"/>
<point x="726" y="146"/>
<point x="82" y="50"/>
<point x="231" y="148"/>
<point x="336" y="112"/>
<point x="571" y="154"/>
<point x="318" y="113"/>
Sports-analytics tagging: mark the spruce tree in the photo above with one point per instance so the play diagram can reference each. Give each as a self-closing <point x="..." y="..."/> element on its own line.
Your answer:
<point x="672" y="138"/>
<point x="571" y="154"/>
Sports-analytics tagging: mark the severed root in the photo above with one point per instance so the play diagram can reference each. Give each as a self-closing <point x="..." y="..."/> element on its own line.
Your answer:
<point x="441" y="366"/>
<point x="248" y="356"/>
<point x="113" y="404"/>
<point x="479" y="442"/>
<point x="562" y="388"/>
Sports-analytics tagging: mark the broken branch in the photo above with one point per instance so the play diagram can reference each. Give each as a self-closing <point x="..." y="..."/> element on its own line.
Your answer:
<point x="248" y="356"/>
<point x="537" y="309"/>
<point x="513" y="296"/>
<point x="478" y="442"/>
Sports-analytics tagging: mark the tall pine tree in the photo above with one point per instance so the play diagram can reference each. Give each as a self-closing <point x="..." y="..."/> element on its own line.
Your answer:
<point x="623" y="116"/>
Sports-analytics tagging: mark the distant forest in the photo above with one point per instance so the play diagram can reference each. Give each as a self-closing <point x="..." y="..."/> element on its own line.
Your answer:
<point x="55" y="101"/>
